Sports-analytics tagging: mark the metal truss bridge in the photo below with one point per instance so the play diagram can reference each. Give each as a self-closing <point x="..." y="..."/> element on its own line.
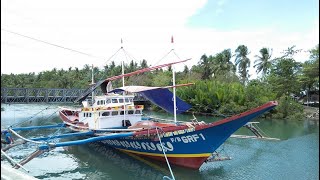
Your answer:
<point x="44" y="95"/>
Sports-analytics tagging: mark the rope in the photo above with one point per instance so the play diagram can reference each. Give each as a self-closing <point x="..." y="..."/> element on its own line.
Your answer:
<point x="30" y="117"/>
<point x="48" y="119"/>
<point x="108" y="60"/>
<point x="46" y="42"/>
<point x="163" y="57"/>
<point x="129" y="55"/>
<point x="165" y="177"/>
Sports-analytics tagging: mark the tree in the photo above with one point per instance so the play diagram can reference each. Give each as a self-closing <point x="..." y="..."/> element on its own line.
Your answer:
<point x="243" y="62"/>
<point x="309" y="78"/>
<point x="314" y="58"/>
<point x="283" y="76"/>
<point x="223" y="68"/>
<point x="132" y="66"/>
<point x="185" y="70"/>
<point x="264" y="61"/>
<point x="290" y="52"/>
<point x="144" y="64"/>
<point x="204" y="63"/>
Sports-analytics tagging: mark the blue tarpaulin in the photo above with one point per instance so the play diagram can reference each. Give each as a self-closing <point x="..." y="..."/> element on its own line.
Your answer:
<point x="161" y="97"/>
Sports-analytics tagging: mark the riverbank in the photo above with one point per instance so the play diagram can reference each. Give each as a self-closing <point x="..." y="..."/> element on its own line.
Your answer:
<point x="311" y="112"/>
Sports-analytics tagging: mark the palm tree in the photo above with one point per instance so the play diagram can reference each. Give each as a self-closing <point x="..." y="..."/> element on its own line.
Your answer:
<point x="205" y="64"/>
<point x="243" y="62"/>
<point x="264" y="61"/>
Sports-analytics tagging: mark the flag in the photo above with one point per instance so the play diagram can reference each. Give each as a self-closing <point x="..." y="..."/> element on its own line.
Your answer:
<point x="171" y="39"/>
<point x="121" y="40"/>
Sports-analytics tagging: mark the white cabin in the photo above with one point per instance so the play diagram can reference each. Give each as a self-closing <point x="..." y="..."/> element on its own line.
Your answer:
<point x="111" y="111"/>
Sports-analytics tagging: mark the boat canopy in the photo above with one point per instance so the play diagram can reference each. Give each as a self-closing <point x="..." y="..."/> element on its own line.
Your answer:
<point x="160" y="96"/>
<point x="102" y="83"/>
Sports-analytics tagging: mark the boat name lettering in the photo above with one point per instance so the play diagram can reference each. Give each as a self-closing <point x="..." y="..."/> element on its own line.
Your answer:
<point x="183" y="131"/>
<point x="188" y="139"/>
<point x="150" y="146"/>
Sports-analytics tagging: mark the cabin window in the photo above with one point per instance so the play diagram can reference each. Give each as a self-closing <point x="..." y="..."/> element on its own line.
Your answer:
<point x="131" y="100"/>
<point x="114" y="100"/>
<point x="84" y="114"/>
<point x="138" y="112"/>
<point x="130" y="112"/>
<point x="89" y="114"/>
<point x="120" y="100"/>
<point x="114" y="113"/>
<point x="121" y="112"/>
<point x="127" y="100"/>
<point x="105" y="113"/>
<point x="98" y="102"/>
<point x="103" y="102"/>
<point x="108" y="101"/>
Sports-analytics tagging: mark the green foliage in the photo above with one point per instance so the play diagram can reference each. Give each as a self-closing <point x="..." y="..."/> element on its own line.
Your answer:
<point x="284" y="76"/>
<point x="289" y="109"/>
<point x="263" y="62"/>
<point x="217" y="87"/>
<point x="211" y="96"/>
<point x="243" y="62"/>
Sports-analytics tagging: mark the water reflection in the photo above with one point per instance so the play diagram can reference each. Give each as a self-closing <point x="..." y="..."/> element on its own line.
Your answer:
<point x="109" y="162"/>
<point x="296" y="156"/>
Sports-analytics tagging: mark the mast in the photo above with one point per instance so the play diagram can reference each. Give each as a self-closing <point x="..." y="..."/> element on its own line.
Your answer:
<point x="174" y="87"/>
<point x="122" y="65"/>
<point x="174" y="95"/>
<point x="123" y="93"/>
<point x="92" y="82"/>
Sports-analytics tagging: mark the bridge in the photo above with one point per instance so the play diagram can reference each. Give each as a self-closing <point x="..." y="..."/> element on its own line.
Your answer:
<point x="44" y="95"/>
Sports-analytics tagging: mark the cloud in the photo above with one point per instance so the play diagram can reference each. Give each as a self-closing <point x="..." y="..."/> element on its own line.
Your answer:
<point x="95" y="27"/>
<point x="145" y="26"/>
<point x="220" y="5"/>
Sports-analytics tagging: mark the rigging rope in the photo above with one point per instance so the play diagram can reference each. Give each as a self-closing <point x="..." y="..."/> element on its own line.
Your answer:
<point x="50" y="116"/>
<point x="162" y="58"/>
<point x="46" y="42"/>
<point x="164" y="153"/>
<point x="30" y="117"/>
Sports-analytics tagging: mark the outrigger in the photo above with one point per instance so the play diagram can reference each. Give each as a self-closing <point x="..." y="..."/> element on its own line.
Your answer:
<point x="115" y="121"/>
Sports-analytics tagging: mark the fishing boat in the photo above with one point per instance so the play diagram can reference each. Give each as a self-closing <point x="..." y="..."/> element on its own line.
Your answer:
<point x="114" y="120"/>
<point x="186" y="144"/>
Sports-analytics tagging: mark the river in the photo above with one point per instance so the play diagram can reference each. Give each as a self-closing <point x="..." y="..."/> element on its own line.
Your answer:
<point x="295" y="156"/>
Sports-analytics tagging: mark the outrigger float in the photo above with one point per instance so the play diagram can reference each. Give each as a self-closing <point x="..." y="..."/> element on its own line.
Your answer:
<point x="115" y="121"/>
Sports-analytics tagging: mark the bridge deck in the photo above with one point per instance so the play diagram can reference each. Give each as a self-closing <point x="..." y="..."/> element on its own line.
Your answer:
<point x="43" y="95"/>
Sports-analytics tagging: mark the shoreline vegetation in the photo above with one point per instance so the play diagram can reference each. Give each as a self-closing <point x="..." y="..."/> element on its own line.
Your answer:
<point x="222" y="84"/>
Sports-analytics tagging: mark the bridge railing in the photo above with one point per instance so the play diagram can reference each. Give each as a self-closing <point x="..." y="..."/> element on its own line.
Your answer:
<point x="40" y="95"/>
<point x="45" y="95"/>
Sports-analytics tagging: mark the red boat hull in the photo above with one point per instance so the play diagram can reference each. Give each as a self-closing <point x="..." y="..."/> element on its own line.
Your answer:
<point x="188" y="162"/>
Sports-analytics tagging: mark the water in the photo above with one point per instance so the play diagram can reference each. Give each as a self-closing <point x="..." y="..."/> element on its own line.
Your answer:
<point x="296" y="156"/>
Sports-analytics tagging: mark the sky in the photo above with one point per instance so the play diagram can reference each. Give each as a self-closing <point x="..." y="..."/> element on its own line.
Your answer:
<point x="90" y="32"/>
